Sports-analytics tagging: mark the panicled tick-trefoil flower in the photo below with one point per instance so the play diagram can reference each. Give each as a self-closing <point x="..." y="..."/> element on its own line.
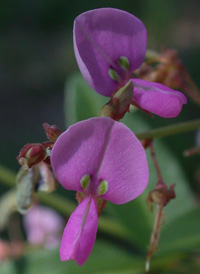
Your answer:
<point x="109" y="45"/>
<point x="102" y="159"/>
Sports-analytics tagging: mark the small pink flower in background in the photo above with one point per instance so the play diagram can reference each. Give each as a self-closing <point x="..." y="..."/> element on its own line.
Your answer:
<point x="43" y="226"/>
<point x="109" y="45"/>
<point x="103" y="159"/>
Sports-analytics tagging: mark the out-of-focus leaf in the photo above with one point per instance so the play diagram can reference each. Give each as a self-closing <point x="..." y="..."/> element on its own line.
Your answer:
<point x="8" y="267"/>
<point x="183" y="233"/>
<point x="174" y="263"/>
<point x="7" y="206"/>
<point x="7" y="176"/>
<point x="105" y="258"/>
<point x="81" y="101"/>
<point x="135" y="217"/>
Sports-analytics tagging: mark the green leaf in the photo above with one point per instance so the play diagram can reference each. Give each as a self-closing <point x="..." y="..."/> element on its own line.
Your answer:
<point x="105" y="258"/>
<point x="81" y="101"/>
<point x="7" y="207"/>
<point x="135" y="218"/>
<point x="182" y="234"/>
<point x="7" y="176"/>
<point x="8" y="267"/>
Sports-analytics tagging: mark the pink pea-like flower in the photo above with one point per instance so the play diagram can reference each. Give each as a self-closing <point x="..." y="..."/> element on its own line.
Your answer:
<point x="103" y="159"/>
<point x="109" y="45"/>
<point x="43" y="226"/>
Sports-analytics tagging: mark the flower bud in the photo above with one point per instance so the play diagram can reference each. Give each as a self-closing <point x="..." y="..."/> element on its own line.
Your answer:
<point x="47" y="181"/>
<point x="26" y="187"/>
<point x="161" y="195"/>
<point x="119" y="104"/>
<point x="52" y="132"/>
<point x="31" y="154"/>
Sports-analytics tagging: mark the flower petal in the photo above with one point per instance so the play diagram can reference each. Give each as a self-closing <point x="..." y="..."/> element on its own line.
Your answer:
<point x="78" y="151"/>
<point x="80" y="232"/>
<point x="101" y="37"/>
<point x="124" y="166"/>
<point x="105" y="150"/>
<point x="157" y="98"/>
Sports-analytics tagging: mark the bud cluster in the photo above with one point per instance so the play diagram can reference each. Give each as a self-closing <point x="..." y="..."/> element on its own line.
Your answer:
<point x="32" y="154"/>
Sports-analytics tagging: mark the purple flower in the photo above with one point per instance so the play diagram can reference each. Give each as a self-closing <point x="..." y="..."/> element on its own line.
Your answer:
<point x="43" y="226"/>
<point x="103" y="159"/>
<point x="109" y="45"/>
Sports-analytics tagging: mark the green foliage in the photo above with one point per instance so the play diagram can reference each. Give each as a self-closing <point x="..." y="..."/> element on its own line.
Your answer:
<point x="101" y="261"/>
<point x="182" y="234"/>
<point x="81" y="102"/>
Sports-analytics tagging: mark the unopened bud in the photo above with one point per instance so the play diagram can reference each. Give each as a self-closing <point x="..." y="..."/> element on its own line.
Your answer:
<point x="47" y="181"/>
<point x="107" y="110"/>
<point x="48" y="146"/>
<point x="161" y="195"/>
<point x="31" y="154"/>
<point x="26" y="185"/>
<point x="119" y="104"/>
<point x="52" y="132"/>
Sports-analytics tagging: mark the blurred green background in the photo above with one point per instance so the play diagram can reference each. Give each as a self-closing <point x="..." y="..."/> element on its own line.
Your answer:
<point x="37" y="63"/>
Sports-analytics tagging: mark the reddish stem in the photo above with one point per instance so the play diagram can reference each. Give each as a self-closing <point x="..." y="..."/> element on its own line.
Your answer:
<point x="155" y="234"/>
<point x="157" y="167"/>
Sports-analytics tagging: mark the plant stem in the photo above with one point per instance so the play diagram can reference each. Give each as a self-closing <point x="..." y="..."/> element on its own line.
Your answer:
<point x="169" y="130"/>
<point x="157" y="167"/>
<point x="155" y="234"/>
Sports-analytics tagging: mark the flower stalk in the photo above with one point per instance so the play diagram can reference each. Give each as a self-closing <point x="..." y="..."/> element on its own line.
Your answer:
<point x="161" y="195"/>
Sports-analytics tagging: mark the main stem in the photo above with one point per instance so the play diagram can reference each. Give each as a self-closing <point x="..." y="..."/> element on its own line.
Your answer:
<point x="169" y="130"/>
